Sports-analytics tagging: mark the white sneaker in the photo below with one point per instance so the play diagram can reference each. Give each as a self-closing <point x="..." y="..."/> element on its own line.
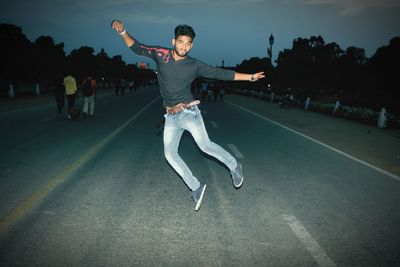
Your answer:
<point x="237" y="176"/>
<point x="198" y="195"/>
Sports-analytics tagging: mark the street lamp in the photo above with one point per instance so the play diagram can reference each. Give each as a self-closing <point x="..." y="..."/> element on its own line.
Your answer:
<point x="271" y="42"/>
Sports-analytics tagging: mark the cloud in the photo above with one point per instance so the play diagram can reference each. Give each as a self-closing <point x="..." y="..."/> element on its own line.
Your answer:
<point x="127" y="10"/>
<point x="143" y="17"/>
<point x="213" y="2"/>
<point x="146" y="17"/>
<point x="350" y="7"/>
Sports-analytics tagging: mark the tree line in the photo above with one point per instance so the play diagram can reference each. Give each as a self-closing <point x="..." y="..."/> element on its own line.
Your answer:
<point x="310" y="68"/>
<point x="319" y="70"/>
<point x="46" y="63"/>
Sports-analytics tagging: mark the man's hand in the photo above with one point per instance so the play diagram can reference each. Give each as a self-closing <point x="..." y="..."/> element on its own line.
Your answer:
<point x="257" y="76"/>
<point x="120" y="29"/>
<point x="249" y="77"/>
<point x="117" y="26"/>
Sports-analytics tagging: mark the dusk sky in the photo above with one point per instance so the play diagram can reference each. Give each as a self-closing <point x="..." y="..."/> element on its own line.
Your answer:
<point x="229" y="30"/>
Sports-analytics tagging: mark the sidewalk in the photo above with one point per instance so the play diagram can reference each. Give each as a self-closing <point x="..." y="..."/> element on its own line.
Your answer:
<point x="379" y="147"/>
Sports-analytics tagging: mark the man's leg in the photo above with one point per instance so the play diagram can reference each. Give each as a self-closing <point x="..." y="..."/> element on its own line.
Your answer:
<point x="60" y="104"/>
<point x="172" y="137"/>
<point x="85" y="105"/>
<point x="195" y="125"/>
<point x="71" y="102"/>
<point x="91" y="104"/>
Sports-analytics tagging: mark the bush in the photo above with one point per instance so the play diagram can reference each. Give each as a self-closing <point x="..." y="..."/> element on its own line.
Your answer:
<point x="393" y="122"/>
<point x="326" y="108"/>
<point x="358" y="114"/>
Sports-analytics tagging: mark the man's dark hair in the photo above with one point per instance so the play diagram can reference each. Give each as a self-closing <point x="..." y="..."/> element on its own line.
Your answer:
<point x="184" y="30"/>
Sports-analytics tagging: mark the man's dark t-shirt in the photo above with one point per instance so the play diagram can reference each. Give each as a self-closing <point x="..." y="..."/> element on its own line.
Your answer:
<point x="175" y="77"/>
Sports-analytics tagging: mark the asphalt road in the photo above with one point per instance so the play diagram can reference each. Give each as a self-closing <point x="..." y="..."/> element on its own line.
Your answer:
<point x="98" y="192"/>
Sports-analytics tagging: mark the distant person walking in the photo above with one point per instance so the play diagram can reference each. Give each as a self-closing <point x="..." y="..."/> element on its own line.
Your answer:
<point x="221" y="94"/>
<point x="131" y="86"/>
<point x="176" y="72"/>
<point x="70" y="92"/>
<point x="204" y="91"/>
<point x="117" y="84"/>
<point x="94" y="85"/>
<point x="124" y="84"/>
<point x="89" y="92"/>
<point x="59" y="95"/>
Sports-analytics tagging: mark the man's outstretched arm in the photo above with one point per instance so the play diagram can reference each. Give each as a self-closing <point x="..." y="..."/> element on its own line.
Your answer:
<point x="120" y="29"/>
<point x="249" y="77"/>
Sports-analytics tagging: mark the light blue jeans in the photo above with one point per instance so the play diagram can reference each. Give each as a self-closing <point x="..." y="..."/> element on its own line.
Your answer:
<point x="192" y="121"/>
<point x="88" y="104"/>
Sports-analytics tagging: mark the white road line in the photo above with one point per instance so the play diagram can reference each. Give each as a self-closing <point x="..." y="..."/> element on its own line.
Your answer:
<point x="235" y="151"/>
<point x="214" y="124"/>
<point x="15" y="111"/>
<point x="48" y="119"/>
<point x="27" y="204"/>
<point x="391" y="175"/>
<point x="311" y="245"/>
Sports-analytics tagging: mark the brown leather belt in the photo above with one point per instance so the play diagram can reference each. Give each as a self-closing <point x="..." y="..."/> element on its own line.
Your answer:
<point x="181" y="107"/>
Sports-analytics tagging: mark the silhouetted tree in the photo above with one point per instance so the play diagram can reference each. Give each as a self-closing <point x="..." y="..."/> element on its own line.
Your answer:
<point x="101" y="67"/>
<point x="310" y="67"/>
<point x="47" y="60"/>
<point x="117" y="67"/>
<point x="82" y="61"/>
<point x="15" y="49"/>
<point x="256" y="64"/>
<point x="351" y="73"/>
<point x="382" y="71"/>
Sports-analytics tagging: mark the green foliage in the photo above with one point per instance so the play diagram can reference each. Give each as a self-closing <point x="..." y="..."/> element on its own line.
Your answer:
<point x="45" y="62"/>
<point x="326" y="108"/>
<point x="312" y="66"/>
<point x="359" y="114"/>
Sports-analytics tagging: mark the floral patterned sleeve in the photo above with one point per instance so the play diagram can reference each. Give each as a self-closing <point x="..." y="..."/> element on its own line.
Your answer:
<point x="154" y="52"/>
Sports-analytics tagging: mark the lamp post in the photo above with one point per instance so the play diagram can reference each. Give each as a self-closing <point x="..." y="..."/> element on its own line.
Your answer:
<point x="269" y="51"/>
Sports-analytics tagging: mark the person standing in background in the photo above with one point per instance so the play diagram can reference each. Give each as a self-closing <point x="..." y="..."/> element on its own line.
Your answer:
<point x="94" y="86"/>
<point x="88" y="92"/>
<point x="124" y="84"/>
<point x="59" y="95"/>
<point x="70" y="92"/>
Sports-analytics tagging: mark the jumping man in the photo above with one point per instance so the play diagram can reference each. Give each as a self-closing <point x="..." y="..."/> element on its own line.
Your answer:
<point x="176" y="72"/>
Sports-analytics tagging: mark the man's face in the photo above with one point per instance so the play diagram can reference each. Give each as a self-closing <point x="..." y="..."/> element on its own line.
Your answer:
<point x="182" y="45"/>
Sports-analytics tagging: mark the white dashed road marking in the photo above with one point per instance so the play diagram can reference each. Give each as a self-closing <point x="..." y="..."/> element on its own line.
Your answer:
<point x="214" y="124"/>
<point x="311" y="245"/>
<point x="235" y="151"/>
<point x="48" y="119"/>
